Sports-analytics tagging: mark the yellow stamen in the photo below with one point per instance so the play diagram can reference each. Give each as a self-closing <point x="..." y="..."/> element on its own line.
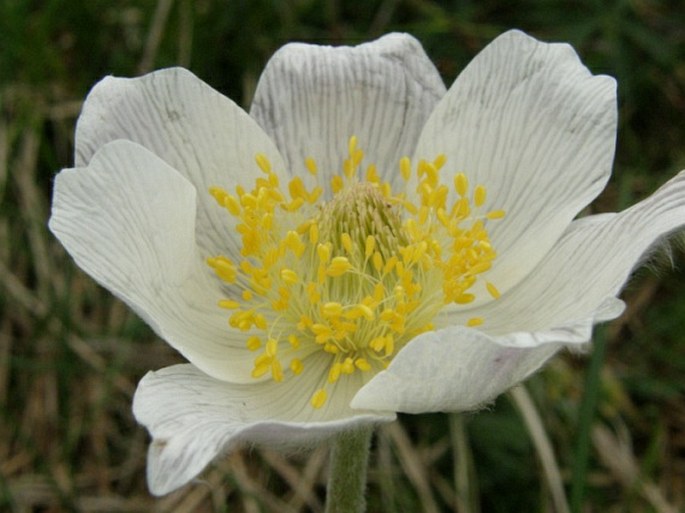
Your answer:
<point x="474" y="321"/>
<point x="311" y="166"/>
<point x="354" y="278"/>
<point x="296" y="366"/>
<point x="479" y="196"/>
<point x="263" y="163"/>
<point x="319" y="398"/>
<point x="253" y="343"/>
<point x="492" y="290"/>
<point x="229" y="304"/>
<point x="495" y="214"/>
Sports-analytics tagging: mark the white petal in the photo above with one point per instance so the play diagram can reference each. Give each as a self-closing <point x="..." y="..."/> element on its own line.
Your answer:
<point x="128" y="220"/>
<point x="459" y="369"/>
<point x="193" y="418"/>
<point x="196" y="130"/>
<point x="311" y="99"/>
<point x="527" y="120"/>
<point x="587" y="267"/>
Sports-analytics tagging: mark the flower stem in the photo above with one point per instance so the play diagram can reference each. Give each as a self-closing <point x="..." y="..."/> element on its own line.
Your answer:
<point x="347" y="473"/>
<point x="587" y="415"/>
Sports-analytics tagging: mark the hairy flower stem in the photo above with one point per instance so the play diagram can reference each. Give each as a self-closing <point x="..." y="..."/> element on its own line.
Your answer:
<point x="347" y="473"/>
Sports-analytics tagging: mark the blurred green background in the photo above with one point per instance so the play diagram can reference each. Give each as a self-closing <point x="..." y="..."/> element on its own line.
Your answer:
<point x="609" y="425"/>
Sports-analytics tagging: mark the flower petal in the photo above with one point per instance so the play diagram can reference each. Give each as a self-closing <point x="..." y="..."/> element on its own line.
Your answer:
<point x="458" y="369"/>
<point x="311" y="99"/>
<point x="197" y="131"/>
<point x="193" y="418"/>
<point x="528" y="121"/>
<point x="588" y="267"/>
<point x="128" y="220"/>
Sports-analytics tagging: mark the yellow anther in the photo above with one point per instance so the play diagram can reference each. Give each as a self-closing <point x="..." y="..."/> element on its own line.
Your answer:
<point x="229" y="304"/>
<point x="314" y="233"/>
<point x="313" y="196"/>
<point x="421" y="168"/>
<point x="492" y="290"/>
<point x="479" y="194"/>
<point x="319" y="398"/>
<point x="405" y="168"/>
<point x="263" y="162"/>
<point x="296" y="188"/>
<point x="423" y="214"/>
<point x="443" y="217"/>
<point x="232" y="205"/>
<point x="372" y="174"/>
<point x="249" y="201"/>
<point x="294" y="243"/>
<point x="461" y="208"/>
<point x="461" y="184"/>
<point x="439" y="197"/>
<point x="430" y="172"/>
<point x="260" y="321"/>
<point x="313" y="293"/>
<point x="276" y="370"/>
<point x="474" y="321"/>
<point x="440" y="161"/>
<point x="271" y="347"/>
<point x="352" y="145"/>
<point x="377" y="261"/>
<point x="337" y="184"/>
<point x="377" y="344"/>
<point x="378" y="292"/>
<point x="349" y="168"/>
<point x="480" y="267"/>
<point x="387" y="315"/>
<point x="495" y="214"/>
<point x="310" y="164"/>
<point x="464" y="299"/>
<point x="259" y="370"/>
<point x="304" y="323"/>
<point x="296" y="366"/>
<point x="321" y="329"/>
<point x="293" y="206"/>
<point x="369" y="246"/>
<point x="346" y="242"/>
<point x="410" y="207"/>
<point x="362" y="364"/>
<point x="223" y="268"/>
<point x="331" y="348"/>
<point x="263" y="359"/>
<point x="339" y="266"/>
<point x="357" y="157"/>
<point x="253" y="343"/>
<point x="390" y="264"/>
<point x="289" y="276"/>
<point x="219" y="194"/>
<point x="389" y="346"/>
<point x="361" y="310"/>
<point x="226" y="200"/>
<point x="348" y="366"/>
<point x="324" y="252"/>
<point x="294" y="341"/>
<point x="332" y="309"/>
<point x="334" y="372"/>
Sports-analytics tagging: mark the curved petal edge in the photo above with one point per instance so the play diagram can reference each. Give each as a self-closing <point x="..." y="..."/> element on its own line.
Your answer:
<point x="194" y="418"/>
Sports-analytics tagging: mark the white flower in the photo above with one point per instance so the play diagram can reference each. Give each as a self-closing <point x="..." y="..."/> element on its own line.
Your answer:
<point x="454" y="258"/>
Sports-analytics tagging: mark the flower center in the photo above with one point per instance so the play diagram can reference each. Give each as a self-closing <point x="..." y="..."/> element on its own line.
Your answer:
<point x="355" y="277"/>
